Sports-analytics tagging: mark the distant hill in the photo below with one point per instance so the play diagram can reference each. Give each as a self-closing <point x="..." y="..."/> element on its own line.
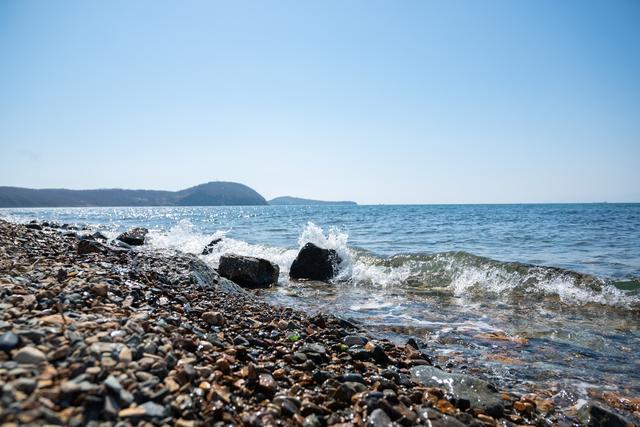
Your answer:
<point x="209" y="194"/>
<point x="287" y="200"/>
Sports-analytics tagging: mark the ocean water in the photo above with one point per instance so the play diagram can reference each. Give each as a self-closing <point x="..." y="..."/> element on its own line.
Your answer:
<point x="542" y="298"/>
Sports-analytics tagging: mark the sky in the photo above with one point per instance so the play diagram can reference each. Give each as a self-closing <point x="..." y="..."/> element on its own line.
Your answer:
<point x="374" y="101"/>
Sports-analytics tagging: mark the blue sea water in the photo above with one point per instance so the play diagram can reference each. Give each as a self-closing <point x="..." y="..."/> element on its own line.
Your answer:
<point x="532" y="297"/>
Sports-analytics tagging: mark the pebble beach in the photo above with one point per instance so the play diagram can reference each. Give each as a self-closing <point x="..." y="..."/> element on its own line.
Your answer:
<point x="97" y="333"/>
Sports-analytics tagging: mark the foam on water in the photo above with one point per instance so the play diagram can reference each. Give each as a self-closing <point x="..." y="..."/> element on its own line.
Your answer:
<point x="459" y="274"/>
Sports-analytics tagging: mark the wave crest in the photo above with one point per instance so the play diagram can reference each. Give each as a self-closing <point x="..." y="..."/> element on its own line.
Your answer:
<point x="457" y="274"/>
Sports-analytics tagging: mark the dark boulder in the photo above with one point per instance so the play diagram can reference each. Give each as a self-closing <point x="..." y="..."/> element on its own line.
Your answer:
<point x="209" y="248"/>
<point x="34" y="226"/>
<point x="134" y="237"/>
<point x="315" y="263"/>
<point x="247" y="271"/>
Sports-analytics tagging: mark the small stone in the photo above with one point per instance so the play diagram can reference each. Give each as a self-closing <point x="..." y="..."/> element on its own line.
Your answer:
<point x="131" y="412"/>
<point x="359" y="353"/>
<point x="353" y="377"/>
<point x="8" y="341"/>
<point x="313" y="348"/>
<point x="344" y="393"/>
<point x="311" y="421"/>
<point x="267" y="384"/>
<point x="354" y="340"/>
<point x="125" y="355"/>
<point x="116" y="388"/>
<point x="29" y="355"/>
<point x="380" y="356"/>
<point x="111" y="406"/>
<point x="100" y="289"/>
<point x="26" y="385"/>
<point x="153" y="410"/>
<point x="213" y="318"/>
<point x="378" y="418"/>
<point x="289" y="408"/>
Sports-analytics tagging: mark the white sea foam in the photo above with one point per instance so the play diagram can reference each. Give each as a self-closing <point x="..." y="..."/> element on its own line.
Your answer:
<point x="462" y="275"/>
<point x="495" y="280"/>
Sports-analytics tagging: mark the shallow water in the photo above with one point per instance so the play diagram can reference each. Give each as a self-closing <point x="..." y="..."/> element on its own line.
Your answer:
<point x="531" y="296"/>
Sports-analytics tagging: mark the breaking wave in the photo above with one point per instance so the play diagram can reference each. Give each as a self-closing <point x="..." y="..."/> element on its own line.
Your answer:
<point x="457" y="274"/>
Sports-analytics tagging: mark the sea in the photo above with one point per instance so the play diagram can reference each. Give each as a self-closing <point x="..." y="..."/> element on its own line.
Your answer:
<point x="541" y="298"/>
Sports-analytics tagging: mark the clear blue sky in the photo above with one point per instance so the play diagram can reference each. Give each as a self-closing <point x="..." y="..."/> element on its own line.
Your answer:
<point x="378" y="102"/>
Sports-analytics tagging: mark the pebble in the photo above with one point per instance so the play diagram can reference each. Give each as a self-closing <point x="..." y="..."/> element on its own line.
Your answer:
<point x="267" y="384"/>
<point x="8" y="341"/>
<point x="354" y="340"/>
<point x="100" y="290"/>
<point x="125" y="355"/>
<point x="213" y="318"/>
<point x="29" y="355"/>
<point x="378" y="418"/>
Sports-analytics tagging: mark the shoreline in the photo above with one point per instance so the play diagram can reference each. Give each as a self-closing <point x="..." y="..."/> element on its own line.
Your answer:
<point x="122" y="335"/>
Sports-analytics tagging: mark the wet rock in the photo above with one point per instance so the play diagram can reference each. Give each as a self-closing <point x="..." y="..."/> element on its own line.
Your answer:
<point x="134" y="236"/>
<point x="378" y="418"/>
<point x="437" y="419"/>
<point x="315" y="263"/>
<point x="411" y="342"/>
<point x="344" y="392"/>
<point x="479" y="393"/>
<point x="353" y="378"/>
<point x="313" y="348"/>
<point x="288" y="406"/>
<point x="309" y="408"/>
<point x="321" y="376"/>
<point x="86" y="246"/>
<point x="267" y="384"/>
<point x="248" y="271"/>
<point x="311" y="421"/>
<point x="121" y="245"/>
<point x="354" y="340"/>
<point x="34" y="226"/>
<point x="598" y="416"/>
<point x="29" y="355"/>
<point x="359" y="353"/>
<point x="99" y="236"/>
<point x="8" y="341"/>
<point x="372" y="400"/>
<point x="380" y="356"/>
<point x="209" y="248"/>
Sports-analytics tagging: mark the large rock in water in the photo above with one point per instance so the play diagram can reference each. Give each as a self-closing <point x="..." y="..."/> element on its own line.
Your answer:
<point x="134" y="237"/>
<point x="248" y="271"/>
<point x="478" y="393"/>
<point x="315" y="263"/>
